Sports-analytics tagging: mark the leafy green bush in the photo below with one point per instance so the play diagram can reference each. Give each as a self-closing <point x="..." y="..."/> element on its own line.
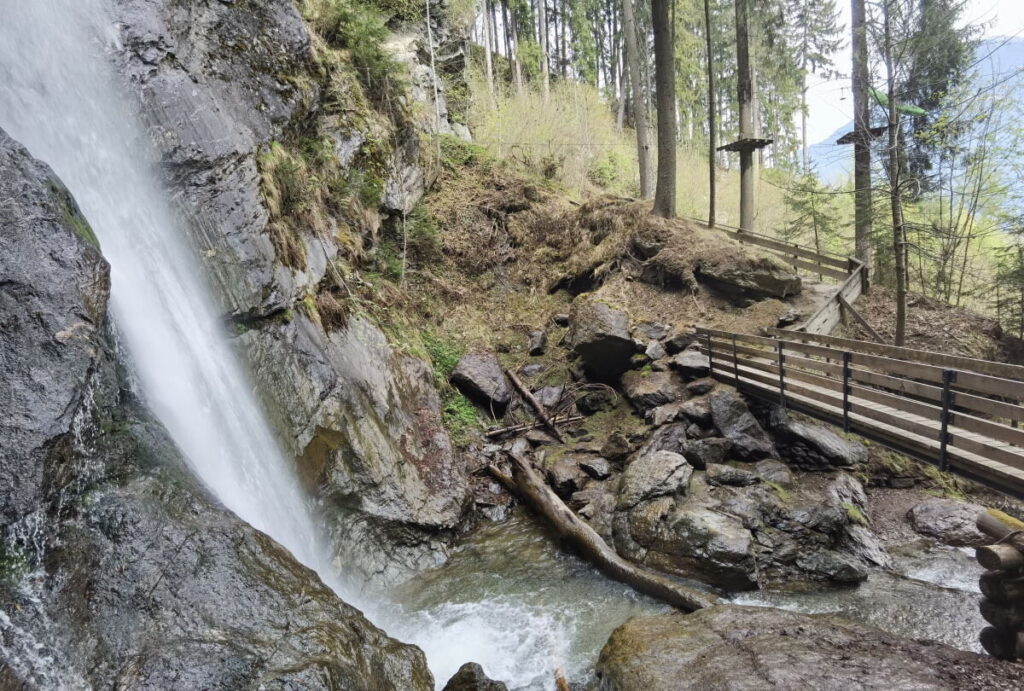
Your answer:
<point x="361" y="29"/>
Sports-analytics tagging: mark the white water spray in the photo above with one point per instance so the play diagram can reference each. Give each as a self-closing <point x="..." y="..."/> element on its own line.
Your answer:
<point x="58" y="97"/>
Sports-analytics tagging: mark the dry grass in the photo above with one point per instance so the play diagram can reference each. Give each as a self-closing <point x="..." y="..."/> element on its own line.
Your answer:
<point x="573" y="135"/>
<point x="615" y="235"/>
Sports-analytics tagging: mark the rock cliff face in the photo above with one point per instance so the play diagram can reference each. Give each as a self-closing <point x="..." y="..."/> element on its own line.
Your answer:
<point x="226" y="87"/>
<point x="116" y="570"/>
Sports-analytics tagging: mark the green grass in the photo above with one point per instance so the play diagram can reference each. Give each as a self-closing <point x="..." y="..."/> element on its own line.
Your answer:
<point x="444" y="355"/>
<point x="460" y="417"/>
<point x="855" y="514"/>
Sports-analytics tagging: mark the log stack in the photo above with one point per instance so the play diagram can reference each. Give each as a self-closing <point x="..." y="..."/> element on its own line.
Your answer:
<point x="1002" y="585"/>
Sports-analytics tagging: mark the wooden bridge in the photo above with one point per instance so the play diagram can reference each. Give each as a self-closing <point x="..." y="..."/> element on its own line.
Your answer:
<point x="849" y="275"/>
<point x="958" y="413"/>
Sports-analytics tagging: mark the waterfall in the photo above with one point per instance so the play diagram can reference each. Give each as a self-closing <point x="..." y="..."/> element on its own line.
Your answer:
<point x="59" y="97"/>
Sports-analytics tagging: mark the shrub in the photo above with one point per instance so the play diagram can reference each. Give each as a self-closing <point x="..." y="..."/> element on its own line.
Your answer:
<point x="360" y="28"/>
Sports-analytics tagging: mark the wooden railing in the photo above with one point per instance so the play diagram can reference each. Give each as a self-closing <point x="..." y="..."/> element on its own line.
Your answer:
<point x="849" y="273"/>
<point x="960" y="414"/>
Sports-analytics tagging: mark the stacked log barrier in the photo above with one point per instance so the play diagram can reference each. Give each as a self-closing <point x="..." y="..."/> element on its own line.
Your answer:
<point x="1002" y="585"/>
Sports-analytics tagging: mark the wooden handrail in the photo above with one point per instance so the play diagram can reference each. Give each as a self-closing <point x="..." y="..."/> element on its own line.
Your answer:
<point x="849" y="270"/>
<point x="956" y="418"/>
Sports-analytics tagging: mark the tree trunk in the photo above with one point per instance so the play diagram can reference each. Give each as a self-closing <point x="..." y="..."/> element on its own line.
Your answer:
<point x="745" y="98"/>
<point x="643" y="146"/>
<point x="528" y="484"/>
<point x="712" y="119"/>
<point x="517" y="68"/>
<point x="896" y="203"/>
<point x="488" y="59"/>
<point x="665" y="91"/>
<point x="862" y="136"/>
<point x="542" y="21"/>
<point x="803" y="127"/>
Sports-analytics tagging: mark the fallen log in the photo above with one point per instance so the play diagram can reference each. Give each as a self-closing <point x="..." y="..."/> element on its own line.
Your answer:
<point x="534" y="491"/>
<point x="527" y="426"/>
<point x="999" y="557"/>
<point x="542" y="414"/>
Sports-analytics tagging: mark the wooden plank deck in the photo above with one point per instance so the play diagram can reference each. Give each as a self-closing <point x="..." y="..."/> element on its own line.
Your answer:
<point x="884" y="400"/>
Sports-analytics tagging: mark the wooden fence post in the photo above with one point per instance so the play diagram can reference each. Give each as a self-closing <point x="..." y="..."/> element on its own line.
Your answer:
<point x="847" y="356"/>
<point x="735" y="363"/>
<point x="948" y="377"/>
<point x="782" y="376"/>
<point x="711" y="362"/>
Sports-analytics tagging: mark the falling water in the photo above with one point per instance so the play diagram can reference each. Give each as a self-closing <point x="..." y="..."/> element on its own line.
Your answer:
<point x="58" y="97"/>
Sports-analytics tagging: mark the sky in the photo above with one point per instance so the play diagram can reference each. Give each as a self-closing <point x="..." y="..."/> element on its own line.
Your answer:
<point x="830" y="104"/>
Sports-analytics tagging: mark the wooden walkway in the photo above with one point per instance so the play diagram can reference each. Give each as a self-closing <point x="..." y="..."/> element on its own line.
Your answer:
<point x="958" y="413"/>
<point x="848" y="273"/>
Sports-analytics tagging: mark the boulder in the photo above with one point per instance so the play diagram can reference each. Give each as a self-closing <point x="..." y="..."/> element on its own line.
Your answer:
<point x="692" y="364"/>
<point x="538" y="343"/>
<point x="480" y="377"/>
<point x="670" y="437"/>
<point x="560" y="319"/>
<point x="753" y="279"/>
<point x="736" y="423"/>
<point x="719" y="474"/>
<point x="950" y="522"/>
<point x="680" y="341"/>
<point x="616" y="447"/>
<point x="697" y="410"/>
<point x="471" y="677"/>
<point x="651" y="331"/>
<point x="549" y="396"/>
<point x="699" y="387"/>
<point x="814" y="447"/>
<point x="596" y="467"/>
<point x="698" y="541"/>
<point x="599" y="335"/>
<point x="531" y="370"/>
<point x="702" y="453"/>
<point x="565" y="476"/>
<point x="596" y="504"/>
<point x="734" y="647"/>
<point x="646" y="389"/>
<point x="776" y="472"/>
<point x="653" y="475"/>
<point x="831" y="566"/>
<point x="655" y="351"/>
<point x="663" y="414"/>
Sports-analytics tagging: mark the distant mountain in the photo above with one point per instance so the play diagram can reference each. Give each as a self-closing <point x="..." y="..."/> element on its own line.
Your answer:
<point x="996" y="57"/>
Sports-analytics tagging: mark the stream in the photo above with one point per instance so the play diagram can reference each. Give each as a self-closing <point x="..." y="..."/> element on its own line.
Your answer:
<point x="540" y="603"/>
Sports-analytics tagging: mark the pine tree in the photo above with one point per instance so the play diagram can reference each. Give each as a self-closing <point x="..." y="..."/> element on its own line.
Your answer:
<point x="815" y="37"/>
<point x="814" y="212"/>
